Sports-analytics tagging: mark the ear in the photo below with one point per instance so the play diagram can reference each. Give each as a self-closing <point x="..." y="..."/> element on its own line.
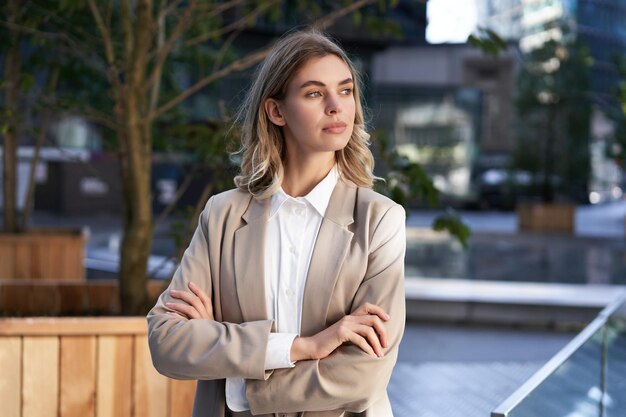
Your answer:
<point x="272" y="109"/>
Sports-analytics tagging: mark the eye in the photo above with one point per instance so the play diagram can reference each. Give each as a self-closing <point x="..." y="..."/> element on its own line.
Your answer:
<point x="314" y="94"/>
<point x="346" y="91"/>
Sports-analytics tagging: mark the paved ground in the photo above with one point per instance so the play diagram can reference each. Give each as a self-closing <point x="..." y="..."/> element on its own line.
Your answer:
<point x="460" y="371"/>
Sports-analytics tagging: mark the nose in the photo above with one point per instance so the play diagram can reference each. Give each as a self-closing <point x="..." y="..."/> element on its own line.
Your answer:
<point x="333" y="105"/>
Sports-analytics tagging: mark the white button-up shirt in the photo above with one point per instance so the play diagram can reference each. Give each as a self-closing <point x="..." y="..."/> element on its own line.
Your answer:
<point x="292" y="229"/>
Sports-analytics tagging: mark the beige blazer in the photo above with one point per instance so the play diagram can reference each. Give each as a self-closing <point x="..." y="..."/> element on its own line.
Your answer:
<point x="358" y="257"/>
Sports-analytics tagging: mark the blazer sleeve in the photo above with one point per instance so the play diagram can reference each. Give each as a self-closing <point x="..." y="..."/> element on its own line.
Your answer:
<point x="348" y="379"/>
<point x="199" y="348"/>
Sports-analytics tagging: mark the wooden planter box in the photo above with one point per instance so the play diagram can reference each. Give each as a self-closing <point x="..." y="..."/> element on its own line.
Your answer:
<point x="54" y="254"/>
<point x="31" y="297"/>
<point x="539" y="217"/>
<point x="84" y="367"/>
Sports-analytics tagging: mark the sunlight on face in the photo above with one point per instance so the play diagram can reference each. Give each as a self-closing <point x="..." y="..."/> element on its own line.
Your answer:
<point x="319" y="107"/>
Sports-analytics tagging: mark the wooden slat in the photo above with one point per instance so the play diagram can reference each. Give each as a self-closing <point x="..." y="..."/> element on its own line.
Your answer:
<point x="53" y="262"/>
<point x="42" y="256"/>
<point x="22" y="261"/>
<point x="12" y="299"/>
<point x="72" y="261"/>
<point x="11" y="379"/>
<point x="79" y="326"/>
<point x="103" y="299"/>
<point x="72" y="298"/>
<point x="45" y="300"/>
<point x="7" y="267"/>
<point x="114" y="381"/>
<point x="181" y="395"/>
<point x="40" y="389"/>
<point x="78" y="376"/>
<point x="150" y="387"/>
<point x="38" y="297"/>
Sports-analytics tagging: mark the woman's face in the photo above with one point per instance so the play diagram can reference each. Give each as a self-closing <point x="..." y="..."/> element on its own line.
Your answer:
<point x="317" y="113"/>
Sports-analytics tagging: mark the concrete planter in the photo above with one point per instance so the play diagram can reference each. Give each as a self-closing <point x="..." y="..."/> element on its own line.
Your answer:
<point x="43" y="254"/>
<point x="542" y="217"/>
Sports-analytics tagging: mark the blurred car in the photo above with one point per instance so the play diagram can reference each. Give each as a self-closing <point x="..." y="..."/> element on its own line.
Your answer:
<point x="501" y="188"/>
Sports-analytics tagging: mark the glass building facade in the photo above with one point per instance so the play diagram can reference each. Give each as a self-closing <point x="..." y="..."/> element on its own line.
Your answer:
<point x="600" y="24"/>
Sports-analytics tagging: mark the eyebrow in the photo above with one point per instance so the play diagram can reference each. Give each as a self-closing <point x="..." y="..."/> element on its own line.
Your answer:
<point x="321" y="84"/>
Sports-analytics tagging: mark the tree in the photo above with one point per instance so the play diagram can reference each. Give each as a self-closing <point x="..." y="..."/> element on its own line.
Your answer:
<point x="120" y="66"/>
<point x="618" y="113"/>
<point x="24" y="100"/>
<point x="553" y="104"/>
<point x="129" y="49"/>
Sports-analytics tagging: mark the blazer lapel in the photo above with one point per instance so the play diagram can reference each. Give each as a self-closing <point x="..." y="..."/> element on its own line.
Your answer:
<point x="331" y="247"/>
<point x="249" y="254"/>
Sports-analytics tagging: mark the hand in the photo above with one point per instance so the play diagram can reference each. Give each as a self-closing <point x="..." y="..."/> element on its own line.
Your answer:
<point x="363" y="328"/>
<point x="198" y="305"/>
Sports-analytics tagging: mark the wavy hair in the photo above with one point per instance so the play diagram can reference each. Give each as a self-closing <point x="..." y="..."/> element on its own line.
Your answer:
<point x="262" y="147"/>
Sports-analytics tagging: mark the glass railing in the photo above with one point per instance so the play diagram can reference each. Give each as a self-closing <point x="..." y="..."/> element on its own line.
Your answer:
<point x="587" y="378"/>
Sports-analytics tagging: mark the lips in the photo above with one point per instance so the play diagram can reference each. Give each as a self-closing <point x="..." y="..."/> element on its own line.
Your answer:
<point x="337" y="127"/>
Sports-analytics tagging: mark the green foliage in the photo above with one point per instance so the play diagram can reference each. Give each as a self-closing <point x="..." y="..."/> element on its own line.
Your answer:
<point x="406" y="181"/>
<point x="619" y="116"/>
<point x="554" y="109"/>
<point x="488" y="41"/>
<point x="452" y="223"/>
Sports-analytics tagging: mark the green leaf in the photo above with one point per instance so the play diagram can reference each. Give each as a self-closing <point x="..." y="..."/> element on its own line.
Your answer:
<point x="453" y="224"/>
<point x="27" y="82"/>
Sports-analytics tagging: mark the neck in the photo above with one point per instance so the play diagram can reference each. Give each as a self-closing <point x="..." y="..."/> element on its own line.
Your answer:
<point x="302" y="175"/>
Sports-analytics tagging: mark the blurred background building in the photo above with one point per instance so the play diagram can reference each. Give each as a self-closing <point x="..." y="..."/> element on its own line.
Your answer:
<point x="451" y="107"/>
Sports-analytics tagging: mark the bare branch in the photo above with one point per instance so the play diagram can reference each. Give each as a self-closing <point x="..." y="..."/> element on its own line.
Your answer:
<point x="250" y="60"/>
<point x="51" y="86"/>
<point x="164" y="51"/>
<point x="241" y="64"/>
<point x="104" y="30"/>
<point x="236" y="25"/>
<point x="330" y="19"/>
<point x="99" y="117"/>
<point x="214" y="9"/>
<point x="222" y="52"/>
<point x="127" y="28"/>
<point x="165" y="11"/>
<point x="62" y="36"/>
<point x="179" y="193"/>
<point x="156" y="87"/>
<point x="113" y="72"/>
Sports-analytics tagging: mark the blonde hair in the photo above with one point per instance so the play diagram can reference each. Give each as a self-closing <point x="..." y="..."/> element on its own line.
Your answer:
<point x="262" y="143"/>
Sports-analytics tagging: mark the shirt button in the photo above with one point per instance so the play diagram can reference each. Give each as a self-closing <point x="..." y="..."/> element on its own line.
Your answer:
<point x="298" y="212"/>
<point x="292" y="249"/>
<point x="289" y="292"/>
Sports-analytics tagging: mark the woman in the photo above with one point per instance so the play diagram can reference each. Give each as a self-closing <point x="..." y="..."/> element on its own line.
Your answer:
<point x="289" y="299"/>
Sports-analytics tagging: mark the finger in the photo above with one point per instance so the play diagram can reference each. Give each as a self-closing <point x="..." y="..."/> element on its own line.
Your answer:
<point x="204" y="298"/>
<point x="360" y="342"/>
<point x="177" y="315"/>
<point x="372" y="338"/>
<point x="190" y="299"/>
<point x="369" y="308"/>
<point x="379" y="327"/>
<point x="185" y="309"/>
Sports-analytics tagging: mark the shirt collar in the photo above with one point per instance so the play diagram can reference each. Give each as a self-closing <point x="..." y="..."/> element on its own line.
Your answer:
<point x="318" y="197"/>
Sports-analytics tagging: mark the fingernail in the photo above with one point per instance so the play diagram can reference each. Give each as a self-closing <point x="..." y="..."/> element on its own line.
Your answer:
<point x="191" y="284"/>
<point x="169" y="304"/>
<point x="173" y="292"/>
<point x="387" y="316"/>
